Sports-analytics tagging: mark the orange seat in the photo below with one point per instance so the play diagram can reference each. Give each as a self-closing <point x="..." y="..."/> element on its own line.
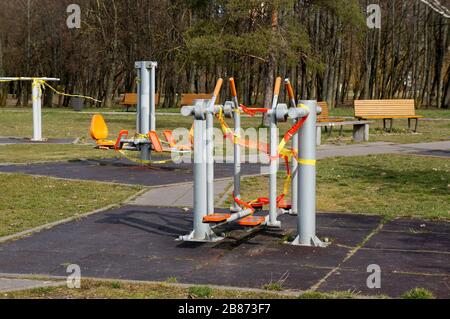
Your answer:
<point x="216" y="218"/>
<point x="99" y="131"/>
<point x="252" y="221"/>
<point x="169" y="138"/>
<point x="156" y="143"/>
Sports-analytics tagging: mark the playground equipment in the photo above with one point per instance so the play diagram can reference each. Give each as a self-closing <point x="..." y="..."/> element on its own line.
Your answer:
<point x="145" y="113"/>
<point x="145" y="139"/>
<point x="37" y="85"/>
<point x="304" y="118"/>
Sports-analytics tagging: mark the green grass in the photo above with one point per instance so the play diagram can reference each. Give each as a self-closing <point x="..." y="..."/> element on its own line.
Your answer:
<point x="27" y="202"/>
<point x="95" y="289"/>
<point x="418" y="293"/>
<point x="386" y="185"/>
<point x="200" y="292"/>
<point x="63" y="124"/>
<point x="92" y="289"/>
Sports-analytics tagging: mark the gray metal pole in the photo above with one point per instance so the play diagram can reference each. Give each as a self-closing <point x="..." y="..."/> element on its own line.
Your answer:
<point x="294" y="164"/>
<point x="307" y="179"/>
<point x="37" y="102"/>
<point x="200" y="203"/>
<point x="209" y="151"/>
<point x="144" y="104"/>
<point x="37" y="111"/>
<point x="274" y="140"/>
<point x="153" y="66"/>
<point x="236" y="146"/>
<point x="202" y="232"/>
<point x="210" y="110"/>
<point x="237" y="156"/>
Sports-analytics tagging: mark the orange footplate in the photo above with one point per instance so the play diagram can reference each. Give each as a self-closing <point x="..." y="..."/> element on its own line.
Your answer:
<point x="251" y="221"/>
<point x="216" y="218"/>
<point x="283" y="205"/>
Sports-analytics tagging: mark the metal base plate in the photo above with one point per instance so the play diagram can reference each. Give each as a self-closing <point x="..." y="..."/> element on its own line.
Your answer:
<point x="210" y="238"/>
<point x="313" y="242"/>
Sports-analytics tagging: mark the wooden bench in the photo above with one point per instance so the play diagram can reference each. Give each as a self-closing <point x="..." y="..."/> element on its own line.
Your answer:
<point x="387" y="110"/>
<point x="130" y="100"/>
<point x="360" y="128"/>
<point x="325" y="115"/>
<point x="189" y="98"/>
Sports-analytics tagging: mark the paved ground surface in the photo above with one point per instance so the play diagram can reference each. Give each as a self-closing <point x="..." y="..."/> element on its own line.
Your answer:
<point x="124" y="171"/>
<point x="8" y="284"/>
<point x="138" y="243"/>
<point x="180" y="195"/>
<point x="14" y="140"/>
<point x="441" y="149"/>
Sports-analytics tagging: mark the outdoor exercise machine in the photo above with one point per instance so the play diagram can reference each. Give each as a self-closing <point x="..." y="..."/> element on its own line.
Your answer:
<point x="145" y="113"/>
<point x="37" y="85"/>
<point x="145" y="140"/>
<point x="205" y="220"/>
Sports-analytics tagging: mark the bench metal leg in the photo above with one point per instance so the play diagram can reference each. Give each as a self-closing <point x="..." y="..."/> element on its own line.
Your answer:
<point x="392" y="123"/>
<point x="319" y="135"/>
<point x="341" y="131"/>
<point x="331" y="131"/>
<point x="384" y="124"/>
<point x="417" y="124"/>
<point x="409" y="124"/>
<point x="361" y="132"/>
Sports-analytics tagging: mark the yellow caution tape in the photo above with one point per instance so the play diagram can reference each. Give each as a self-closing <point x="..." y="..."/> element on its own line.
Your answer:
<point x="307" y="162"/>
<point x="42" y="84"/>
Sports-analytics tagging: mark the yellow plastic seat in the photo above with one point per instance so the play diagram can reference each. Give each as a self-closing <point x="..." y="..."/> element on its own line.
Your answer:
<point x="99" y="132"/>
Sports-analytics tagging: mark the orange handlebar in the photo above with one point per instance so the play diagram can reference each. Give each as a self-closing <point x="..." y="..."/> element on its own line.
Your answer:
<point x="218" y="87"/>
<point x="233" y="87"/>
<point x="277" y="86"/>
<point x="290" y="90"/>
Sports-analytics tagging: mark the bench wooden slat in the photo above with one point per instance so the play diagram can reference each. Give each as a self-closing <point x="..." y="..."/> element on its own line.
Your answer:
<point x="325" y="115"/>
<point x="130" y="99"/>
<point x="385" y="109"/>
<point x="188" y="98"/>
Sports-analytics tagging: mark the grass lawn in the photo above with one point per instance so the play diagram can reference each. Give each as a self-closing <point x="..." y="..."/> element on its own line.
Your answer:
<point x="386" y="185"/>
<point x="92" y="289"/>
<point x="27" y="201"/>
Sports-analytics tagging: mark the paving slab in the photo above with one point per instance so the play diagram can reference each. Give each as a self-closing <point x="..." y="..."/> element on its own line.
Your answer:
<point x="136" y="242"/>
<point x="431" y="149"/>
<point x="178" y="195"/>
<point x="392" y="284"/>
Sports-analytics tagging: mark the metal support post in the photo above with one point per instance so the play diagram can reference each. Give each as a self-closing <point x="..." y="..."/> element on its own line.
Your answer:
<point x="36" y="91"/>
<point x="307" y="175"/>
<point x="274" y="140"/>
<point x="143" y="104"/>
<point x="236" y="146"/>
<point x="202" y="232"/>
<point x="153" y="66"/>
<point x="294" y="164"/>
<point x="37" y="111"/>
